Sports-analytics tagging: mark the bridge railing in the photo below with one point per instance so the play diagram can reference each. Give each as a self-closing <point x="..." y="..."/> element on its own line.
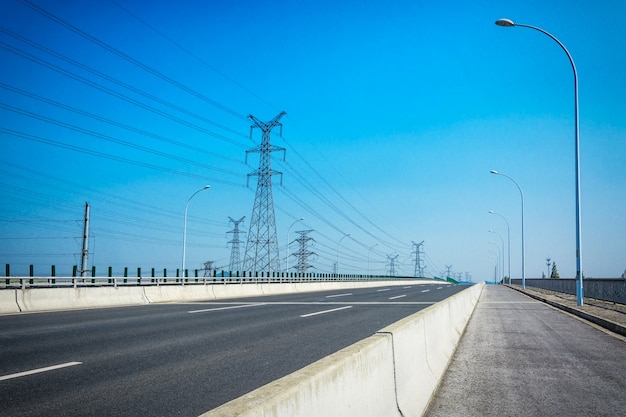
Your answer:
<point x="64" y="282"/>
<point x="601" y="289"/>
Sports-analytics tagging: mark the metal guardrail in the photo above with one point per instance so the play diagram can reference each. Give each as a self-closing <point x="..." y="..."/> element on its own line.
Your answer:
<point x="613" y="290"/>
<point x="75" y="282"/>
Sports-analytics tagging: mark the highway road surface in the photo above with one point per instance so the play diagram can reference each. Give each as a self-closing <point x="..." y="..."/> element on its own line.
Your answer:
<point x="183" y="359"/>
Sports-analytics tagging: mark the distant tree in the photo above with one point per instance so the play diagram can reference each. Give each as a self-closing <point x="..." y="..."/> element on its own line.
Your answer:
<point x="555" y="273"/>
<point x="624" y="274"/>
<point x="543" y="275"/>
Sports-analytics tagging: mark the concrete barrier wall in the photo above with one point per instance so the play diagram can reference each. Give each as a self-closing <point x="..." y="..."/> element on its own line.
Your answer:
<point x="44" y="299"/>
<point x="8" y="302"/>
<point x="392" y="373"/>
<point x="48" y="299"/>
<point x="357" y="381"/>
<point x="424" y="344"/>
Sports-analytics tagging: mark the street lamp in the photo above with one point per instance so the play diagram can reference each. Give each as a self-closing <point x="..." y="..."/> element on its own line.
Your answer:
<point x="501" y="241"/>
<point x="579" y="276"/>
<point x="508" y="236"/>
<point x="338" y="244"/>
<point x="498" y="259"/>
<point x="288" y="243"/>
<point x="495" y="267"/>
<point x="206" y="187"/>
<point x="368" y="257"/>
<point x="522" y="195"/>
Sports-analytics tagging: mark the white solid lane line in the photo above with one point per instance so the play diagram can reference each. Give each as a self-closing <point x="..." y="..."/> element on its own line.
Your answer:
<point x="338" y="295"/>
<point x="324" y="312"/>
<point x="36" y="371"/>
<point x="225" y="308"/>
<point x="397" y="296"/>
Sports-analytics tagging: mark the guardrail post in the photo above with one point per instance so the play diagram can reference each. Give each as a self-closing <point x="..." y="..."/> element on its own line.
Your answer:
<point x="138" y="276"/>
<point x="53" y="274"/>
<point x="125" y="274"/>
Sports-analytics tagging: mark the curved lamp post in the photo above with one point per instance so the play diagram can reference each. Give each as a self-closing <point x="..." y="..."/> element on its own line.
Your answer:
<point x="368" y="257"/>
<point x="493" y="171"/>
<point x="288" y="243"/>
<point x="338" y="244"/>
<point x="499" y="256"/>
<point x="206" y="187"/>
<point x="508" y="238"/>
<point x="579" y="276"/>
<point x="501" y="241"/>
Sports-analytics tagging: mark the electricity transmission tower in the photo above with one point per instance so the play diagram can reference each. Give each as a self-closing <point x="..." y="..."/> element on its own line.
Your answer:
<point x="419" y="261"/>
<point x="262" y="246"/>
<point x="448" y="267"/>
<point x="303" y="252"/>
<point x="235" y="261"/>
<point x="209" y="268"/>
<point x="392" y="265"/>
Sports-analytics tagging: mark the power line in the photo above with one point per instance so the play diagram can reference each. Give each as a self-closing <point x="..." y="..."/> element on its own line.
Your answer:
<point x="130" y="59"/>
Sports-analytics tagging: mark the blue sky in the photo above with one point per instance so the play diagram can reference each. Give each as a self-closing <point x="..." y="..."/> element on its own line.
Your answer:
<point x="396" y="113"/>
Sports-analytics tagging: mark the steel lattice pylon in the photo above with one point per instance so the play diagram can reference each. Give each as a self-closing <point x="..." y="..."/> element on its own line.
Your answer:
<point x="235" y="261"/>
<point x="392" y="264"/>
<point x="262" y="246"/>
<point x="303" y="253"/>
<point x="419" y="261"/>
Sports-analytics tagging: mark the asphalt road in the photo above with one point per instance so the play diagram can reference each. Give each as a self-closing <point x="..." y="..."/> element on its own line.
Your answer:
<point x="187" y="358"/>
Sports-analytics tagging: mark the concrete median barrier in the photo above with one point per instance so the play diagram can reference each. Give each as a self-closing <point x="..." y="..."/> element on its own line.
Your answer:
<point x="8" y="302"/>
<point x="392" y="373"/>
<point x="356" y="381"/>
<point x="424" y="344"/>
<point x="46" y="299"/>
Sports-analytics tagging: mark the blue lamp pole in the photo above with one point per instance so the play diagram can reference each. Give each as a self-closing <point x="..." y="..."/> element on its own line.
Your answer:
<point x="521" y="195"/>
<point x="508" y="238"/>
<point x="501" y="241"/>
<point x="206" y="187"/>
<point x="579" y="276"/>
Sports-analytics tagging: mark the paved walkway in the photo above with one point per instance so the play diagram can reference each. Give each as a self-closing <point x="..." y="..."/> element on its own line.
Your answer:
<point x="522" y="357"/>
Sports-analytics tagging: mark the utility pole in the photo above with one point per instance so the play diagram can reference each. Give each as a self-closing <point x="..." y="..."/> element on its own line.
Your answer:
<point x="235" y="262"/>
<point x="85" y="252"/>
<point x="548" y="265"/>
<point x="419" y="265"/>
<point x="262" y="246"/>
<point x="303" y="252"/>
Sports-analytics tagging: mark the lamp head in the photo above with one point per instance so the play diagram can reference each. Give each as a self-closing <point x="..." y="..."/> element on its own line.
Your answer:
<point x="206" y="186"/>
<point x="493" y="171"/>
<point x="492" y="212"/>
<point x="505" y="22"/>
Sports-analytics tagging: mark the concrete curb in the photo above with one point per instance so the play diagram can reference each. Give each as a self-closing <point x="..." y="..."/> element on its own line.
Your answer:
<point x="393" y="373"/>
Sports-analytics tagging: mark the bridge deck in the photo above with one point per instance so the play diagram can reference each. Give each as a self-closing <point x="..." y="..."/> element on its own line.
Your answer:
<point x="522" y="357"/>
